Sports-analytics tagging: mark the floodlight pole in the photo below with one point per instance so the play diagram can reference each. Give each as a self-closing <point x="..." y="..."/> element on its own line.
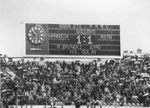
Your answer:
<point x="1" y="105"/>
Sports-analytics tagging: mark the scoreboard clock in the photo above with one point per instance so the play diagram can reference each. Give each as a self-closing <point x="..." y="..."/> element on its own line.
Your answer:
<point x="36" y="34"/>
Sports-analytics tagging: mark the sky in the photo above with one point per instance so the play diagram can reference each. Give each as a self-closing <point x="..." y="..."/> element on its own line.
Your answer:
<point x="133" y="16"/>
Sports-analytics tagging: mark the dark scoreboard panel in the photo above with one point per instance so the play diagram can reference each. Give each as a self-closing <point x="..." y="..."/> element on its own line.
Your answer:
<point x="77" y="40"/>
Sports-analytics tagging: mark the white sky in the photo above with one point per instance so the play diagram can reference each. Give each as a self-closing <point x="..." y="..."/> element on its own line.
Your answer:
<point x="133" y="16"/>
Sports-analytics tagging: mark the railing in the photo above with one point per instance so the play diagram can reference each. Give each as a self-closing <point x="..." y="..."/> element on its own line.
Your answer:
<point x="73" y="106"/>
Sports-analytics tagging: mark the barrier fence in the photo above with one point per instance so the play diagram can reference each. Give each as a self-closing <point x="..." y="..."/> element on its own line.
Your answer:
<point x="71" y="106"/>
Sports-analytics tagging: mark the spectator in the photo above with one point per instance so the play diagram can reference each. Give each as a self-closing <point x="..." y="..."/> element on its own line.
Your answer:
<point x="47" y="82"/>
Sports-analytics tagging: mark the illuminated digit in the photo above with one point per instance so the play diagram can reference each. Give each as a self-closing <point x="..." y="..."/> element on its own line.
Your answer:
<point x="79" y="42"/>
<point x="89" y="39"/>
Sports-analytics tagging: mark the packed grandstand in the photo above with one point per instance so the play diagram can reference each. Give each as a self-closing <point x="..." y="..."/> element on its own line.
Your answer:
<point x="122" y="82"/>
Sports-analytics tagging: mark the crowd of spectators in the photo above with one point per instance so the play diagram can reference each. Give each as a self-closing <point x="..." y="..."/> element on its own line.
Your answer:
<point x="123" y="82"/>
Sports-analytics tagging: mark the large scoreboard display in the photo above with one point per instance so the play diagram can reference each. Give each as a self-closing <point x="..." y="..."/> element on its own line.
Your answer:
<point x="75" y="40"/>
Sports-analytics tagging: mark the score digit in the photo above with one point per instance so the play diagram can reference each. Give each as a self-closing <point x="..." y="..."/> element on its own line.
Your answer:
<point x="78" y="38"/>
<point x="90" y="42"/>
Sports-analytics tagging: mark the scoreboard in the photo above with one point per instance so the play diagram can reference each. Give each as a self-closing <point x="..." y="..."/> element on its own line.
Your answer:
<point x="75" y="40"/>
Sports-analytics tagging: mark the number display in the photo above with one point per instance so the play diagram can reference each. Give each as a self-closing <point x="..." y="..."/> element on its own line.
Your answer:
<point x="89" y="42"/>
<point x="78" y="38"/>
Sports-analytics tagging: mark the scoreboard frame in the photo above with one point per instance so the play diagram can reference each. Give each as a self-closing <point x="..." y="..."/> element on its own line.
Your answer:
<point x="68" y="40"/>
